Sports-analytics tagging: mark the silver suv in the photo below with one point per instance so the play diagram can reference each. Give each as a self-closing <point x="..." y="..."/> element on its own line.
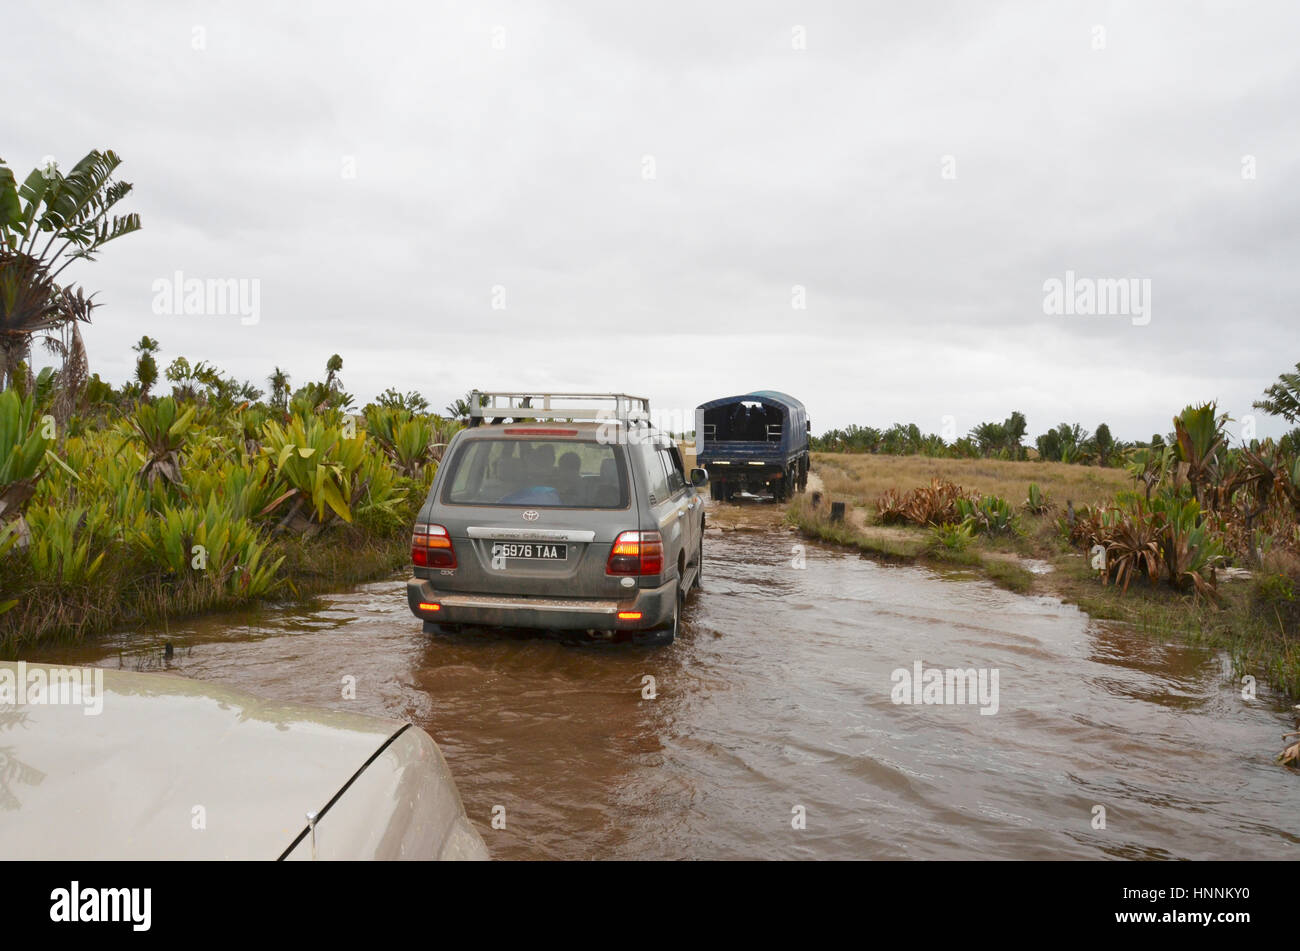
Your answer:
<point x="546" y="514"/>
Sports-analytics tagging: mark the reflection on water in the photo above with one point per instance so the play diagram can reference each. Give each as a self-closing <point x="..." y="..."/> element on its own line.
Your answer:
<point x="14" y="773"/>
<point x="776" y="696"/>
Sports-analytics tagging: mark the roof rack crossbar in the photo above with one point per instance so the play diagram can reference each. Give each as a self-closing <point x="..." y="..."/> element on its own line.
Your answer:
<point x="502" y="404"/>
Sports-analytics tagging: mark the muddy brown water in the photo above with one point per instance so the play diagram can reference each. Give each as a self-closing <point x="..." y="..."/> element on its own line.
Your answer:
<point x="776" y="696"/>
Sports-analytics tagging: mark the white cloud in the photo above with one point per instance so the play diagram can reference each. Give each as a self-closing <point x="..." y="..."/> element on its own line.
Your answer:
<point x="522" y="167"/>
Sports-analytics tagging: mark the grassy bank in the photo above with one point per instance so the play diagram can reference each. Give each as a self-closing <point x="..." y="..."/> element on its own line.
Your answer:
<point x="1252" y="615"/>
<point x="51" y="613"/>
<point x="905" y="546"/>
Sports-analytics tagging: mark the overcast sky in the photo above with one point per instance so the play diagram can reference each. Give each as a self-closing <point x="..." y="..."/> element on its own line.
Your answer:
<point x="629" y="196"/>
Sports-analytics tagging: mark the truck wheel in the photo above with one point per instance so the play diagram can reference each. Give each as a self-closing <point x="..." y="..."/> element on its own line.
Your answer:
<point x="699" y="558"/>
<point x="786" y="486"/>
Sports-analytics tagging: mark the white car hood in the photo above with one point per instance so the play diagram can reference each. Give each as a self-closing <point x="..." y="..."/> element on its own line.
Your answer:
<point x="173" y="768"/>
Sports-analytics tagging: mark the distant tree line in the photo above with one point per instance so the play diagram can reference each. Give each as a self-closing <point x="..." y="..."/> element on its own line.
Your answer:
<point x="1066" y="442"/>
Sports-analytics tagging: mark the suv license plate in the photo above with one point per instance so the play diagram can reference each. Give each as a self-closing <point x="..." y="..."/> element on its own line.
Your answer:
<point x="533" y="550"/>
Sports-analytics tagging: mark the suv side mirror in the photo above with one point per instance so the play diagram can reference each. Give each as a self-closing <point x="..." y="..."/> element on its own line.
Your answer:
<point x="699" y="477"/>
<point x="807" y="424"/>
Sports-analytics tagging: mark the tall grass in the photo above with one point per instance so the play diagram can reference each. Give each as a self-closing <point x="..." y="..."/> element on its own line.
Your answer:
<point x="175" y="508"/>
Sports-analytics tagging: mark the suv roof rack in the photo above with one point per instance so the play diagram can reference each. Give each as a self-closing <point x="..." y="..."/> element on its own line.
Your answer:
<point x="598" y="407"/>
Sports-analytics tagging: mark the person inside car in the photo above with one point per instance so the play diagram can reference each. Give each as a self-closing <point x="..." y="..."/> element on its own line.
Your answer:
<point x="568" y="478"/>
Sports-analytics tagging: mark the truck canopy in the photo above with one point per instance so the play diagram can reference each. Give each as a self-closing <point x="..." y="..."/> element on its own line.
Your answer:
<point x="765" y="421"/>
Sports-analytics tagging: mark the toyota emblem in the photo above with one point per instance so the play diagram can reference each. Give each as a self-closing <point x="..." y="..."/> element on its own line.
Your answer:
<point x="530" y="516"/>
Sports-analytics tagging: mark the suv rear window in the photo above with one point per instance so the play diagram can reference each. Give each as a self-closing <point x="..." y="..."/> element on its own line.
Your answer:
<point x="567" y="473"/>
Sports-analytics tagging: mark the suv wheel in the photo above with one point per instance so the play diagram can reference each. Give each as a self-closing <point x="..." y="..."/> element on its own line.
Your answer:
<point x="699" y="559"/>
<point x="663" y="636"/>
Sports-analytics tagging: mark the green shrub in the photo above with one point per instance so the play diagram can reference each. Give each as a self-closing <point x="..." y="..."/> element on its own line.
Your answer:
<point x="952" y="537"/>
<point x="989" y="515"/>
<point x="1275" y="588"/>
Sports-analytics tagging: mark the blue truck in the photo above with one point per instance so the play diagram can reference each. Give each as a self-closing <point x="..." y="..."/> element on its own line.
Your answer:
<point x="755" y="443"/>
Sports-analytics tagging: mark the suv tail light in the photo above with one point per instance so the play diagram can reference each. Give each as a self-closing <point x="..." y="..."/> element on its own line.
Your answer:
<point x="431" y="547"/>
<point x="636" y="553"/>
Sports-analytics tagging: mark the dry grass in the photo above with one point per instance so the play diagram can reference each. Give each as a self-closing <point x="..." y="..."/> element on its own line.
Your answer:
<point x="862" y="479"/>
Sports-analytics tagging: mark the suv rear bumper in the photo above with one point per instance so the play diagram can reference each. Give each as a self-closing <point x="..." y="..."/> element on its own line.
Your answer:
<point x="565" y="614"/>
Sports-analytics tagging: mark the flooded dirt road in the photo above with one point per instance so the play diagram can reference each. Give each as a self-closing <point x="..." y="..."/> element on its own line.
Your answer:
<point x="778" y="696"/>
